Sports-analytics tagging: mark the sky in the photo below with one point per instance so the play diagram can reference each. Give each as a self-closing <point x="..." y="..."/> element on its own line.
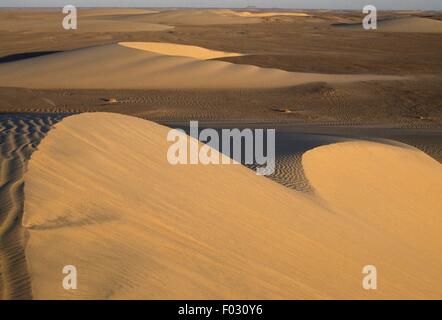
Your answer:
<point x="297" y="4"/>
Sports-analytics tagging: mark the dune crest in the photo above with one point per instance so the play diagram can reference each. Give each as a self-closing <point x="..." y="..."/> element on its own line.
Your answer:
<point x="172" y="49"/>
<point x="101" y="195"/>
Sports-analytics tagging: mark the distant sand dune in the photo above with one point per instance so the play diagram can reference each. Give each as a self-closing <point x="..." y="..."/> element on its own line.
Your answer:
<point x="214" y="16"/>
<point x="101" y="195"/>
<point x="406" y="24"/>
<point x="271" y="14"/>
<point x="172" y="49"/>
<point x="395" y="187"/>
<point x="84" y="26"/>
<point x="89" y="21"/>
<point x="200" y="17"/>
<point x="119" y="67"/>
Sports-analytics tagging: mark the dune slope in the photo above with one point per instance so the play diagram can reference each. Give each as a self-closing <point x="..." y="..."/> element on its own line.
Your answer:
<point x="120" y="67"/>
<point x="215" y="16"/>
<point x="101" y="195"/>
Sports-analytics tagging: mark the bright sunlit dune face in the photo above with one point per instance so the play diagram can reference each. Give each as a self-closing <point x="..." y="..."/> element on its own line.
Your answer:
<point x="180" y="50"/>
<point x="389" y="185"/>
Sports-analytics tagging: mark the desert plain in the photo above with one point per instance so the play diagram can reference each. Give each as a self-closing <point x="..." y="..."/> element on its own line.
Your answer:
<point x="85" y="179"/>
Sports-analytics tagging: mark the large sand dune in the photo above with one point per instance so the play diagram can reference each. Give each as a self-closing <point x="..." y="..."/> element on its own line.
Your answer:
<point x="120" y="67"/>
<point x="403" y="24"/>
<point x="101" y="195"/>
<point x="395" y="188"/>
<point x="270" y="14"/>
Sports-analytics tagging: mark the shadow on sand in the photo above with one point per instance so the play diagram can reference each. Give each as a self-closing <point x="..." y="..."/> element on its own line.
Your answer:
<point x="24" y="55"/>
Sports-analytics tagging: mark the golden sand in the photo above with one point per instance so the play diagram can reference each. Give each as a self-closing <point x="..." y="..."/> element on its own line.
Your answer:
<point x="101" y="195"/>
<point x="180" y="50"/>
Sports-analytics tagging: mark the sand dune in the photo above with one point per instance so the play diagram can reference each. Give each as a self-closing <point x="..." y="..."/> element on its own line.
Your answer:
<point x="101" y="195"/>
<point x="19" y="136"/>
<point x="215" y="16"/>
<point x="290" y="148"/>
<point x="406" y="24"/>
<point x="125" y="19"/>
<point x="119" y="67"/>
<point x="172" y="49"/>
<point x="99" y="12"/>
<point x="200" y="17"/>
<point x="89" y="21"/>
<point x="270" y="14"/>
<point x="101" y="25"/>
<point x="411" y="24"/>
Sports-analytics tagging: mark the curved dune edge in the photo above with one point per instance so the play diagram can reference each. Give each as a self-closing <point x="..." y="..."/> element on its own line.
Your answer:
<point x="172" y="49"/>
<point x="398" y="188"/>
<point x="101" y="195"/>
<point x="118" y="67"/>
<point x="393" y="188"/>
<point x="20" y="135"/>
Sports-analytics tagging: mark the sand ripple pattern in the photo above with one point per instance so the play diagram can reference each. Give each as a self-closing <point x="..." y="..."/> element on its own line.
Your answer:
<point x="19" y="137"/>
<point x="290" y="148"/>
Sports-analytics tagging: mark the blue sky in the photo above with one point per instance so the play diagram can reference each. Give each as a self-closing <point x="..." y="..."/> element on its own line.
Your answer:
<point x="308" y="4"/>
